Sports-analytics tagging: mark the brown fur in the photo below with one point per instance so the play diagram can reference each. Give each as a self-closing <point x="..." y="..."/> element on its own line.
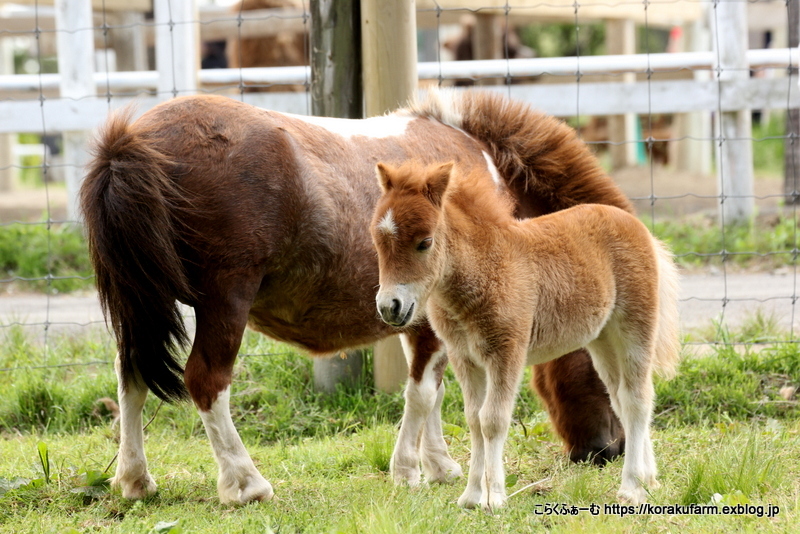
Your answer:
<point x="501" y="291"/>
<point x="258" y="218"/>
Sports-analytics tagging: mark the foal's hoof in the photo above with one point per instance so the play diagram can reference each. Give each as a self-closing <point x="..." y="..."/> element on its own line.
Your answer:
<point x="495" y="502"/>
<point x="405" y="475"/>
<point x="443" y="471"/>
<point x="137" y="488"/>
<point x="469" y="499"/>
<point x="253" y="489"/>
<point x="634" y="496"/>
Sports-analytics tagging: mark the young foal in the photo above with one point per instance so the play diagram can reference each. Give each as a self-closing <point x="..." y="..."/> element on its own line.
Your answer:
<point x="502" y="292"/>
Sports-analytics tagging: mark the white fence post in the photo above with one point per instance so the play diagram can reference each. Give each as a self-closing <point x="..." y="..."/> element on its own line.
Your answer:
<point x="75" y="42"/>
<point x="734" y="128"/>
<point x="177" y="46"/>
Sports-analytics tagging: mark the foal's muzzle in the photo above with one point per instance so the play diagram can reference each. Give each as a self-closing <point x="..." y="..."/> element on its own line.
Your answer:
<point x="395" y="307"/>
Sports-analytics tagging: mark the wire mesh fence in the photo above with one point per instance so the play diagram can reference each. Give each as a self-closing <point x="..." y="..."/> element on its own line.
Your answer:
<point x="691" y="106"/>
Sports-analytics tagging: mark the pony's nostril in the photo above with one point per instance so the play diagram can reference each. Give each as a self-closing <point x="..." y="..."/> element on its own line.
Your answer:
<point x="395" y="307"/>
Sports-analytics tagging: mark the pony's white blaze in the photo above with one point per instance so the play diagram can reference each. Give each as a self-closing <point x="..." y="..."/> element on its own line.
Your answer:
<point x="239" y="480"/>
<point x="492" y="168"/>
<point x="387" y="224"/>
<point x="374" y="127"/>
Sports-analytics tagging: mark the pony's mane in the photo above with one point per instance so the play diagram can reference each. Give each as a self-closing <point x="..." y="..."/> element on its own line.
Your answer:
<point x="527" y="146"/>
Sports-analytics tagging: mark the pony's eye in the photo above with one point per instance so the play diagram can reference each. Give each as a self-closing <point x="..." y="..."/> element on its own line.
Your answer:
<point x="425" y="244"/>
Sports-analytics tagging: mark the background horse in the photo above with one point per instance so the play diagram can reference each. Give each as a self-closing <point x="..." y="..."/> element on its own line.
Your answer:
<point x="501" y="292"/>
<point x="259" y="218"/>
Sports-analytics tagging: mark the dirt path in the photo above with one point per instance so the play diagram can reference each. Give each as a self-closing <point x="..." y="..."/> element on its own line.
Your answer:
<point x="701" y="301"/>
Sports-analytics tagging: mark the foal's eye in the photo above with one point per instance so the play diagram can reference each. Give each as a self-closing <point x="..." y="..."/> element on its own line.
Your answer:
<point x="425" y="244"/>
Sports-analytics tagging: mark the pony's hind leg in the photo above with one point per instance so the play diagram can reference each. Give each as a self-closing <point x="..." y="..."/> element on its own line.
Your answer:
<point x="420" y="435"/>
<point x="626" y="370"/>
<point x="208" y="377"/>
<point x="131" y="476"/>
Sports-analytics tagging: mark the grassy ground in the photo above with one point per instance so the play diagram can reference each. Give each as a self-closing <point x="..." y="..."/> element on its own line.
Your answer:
<point x="722" y="433"/>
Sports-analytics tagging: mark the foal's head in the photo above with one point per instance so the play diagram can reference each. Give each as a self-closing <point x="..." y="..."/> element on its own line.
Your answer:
<point x="407" y="233"/>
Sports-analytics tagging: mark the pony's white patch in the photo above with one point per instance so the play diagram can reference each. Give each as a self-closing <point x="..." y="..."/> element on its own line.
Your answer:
<point x="387" y="224"/>
<point x="239" y="480"/>
<point x="492" y="168"/>
<point x="374" y="127"/>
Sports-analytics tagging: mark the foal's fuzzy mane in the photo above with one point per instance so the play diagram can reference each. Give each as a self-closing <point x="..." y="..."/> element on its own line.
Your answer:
<point x="528" y="146"/>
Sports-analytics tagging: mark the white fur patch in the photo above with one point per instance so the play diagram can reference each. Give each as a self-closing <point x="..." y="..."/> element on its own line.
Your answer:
<point x="447" y="101"/>
<point x="374" y="127"/>
<point x="387" y="224"/>
<point x="492" y="169"/>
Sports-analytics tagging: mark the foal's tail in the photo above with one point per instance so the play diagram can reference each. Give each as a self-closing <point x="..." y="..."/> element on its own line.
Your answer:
<point x="129" y="204"/>
<point x="668" y="344"/>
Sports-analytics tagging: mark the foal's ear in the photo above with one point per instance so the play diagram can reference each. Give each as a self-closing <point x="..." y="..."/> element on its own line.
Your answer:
<point x="384" y="177"/>
<point x="437" y="182"/>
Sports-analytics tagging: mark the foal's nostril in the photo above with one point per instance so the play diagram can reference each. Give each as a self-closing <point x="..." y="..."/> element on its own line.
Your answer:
<point x="395" y="307"/>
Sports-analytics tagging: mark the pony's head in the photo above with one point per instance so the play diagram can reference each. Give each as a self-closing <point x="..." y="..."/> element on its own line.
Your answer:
<point x="408" y="235"/>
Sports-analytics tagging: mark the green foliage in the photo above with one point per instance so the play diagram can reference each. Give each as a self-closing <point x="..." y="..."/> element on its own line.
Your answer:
<point x="53" y="259"/>
<point x="699" y="240"/>
<point x="769" y="142"/>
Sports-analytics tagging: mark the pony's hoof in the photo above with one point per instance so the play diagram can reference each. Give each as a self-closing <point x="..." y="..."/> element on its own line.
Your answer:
<point x="443" y="471"/>
<point x="469" y="499"/>
<point x="253" y="489"/>
<point x="405" y="475"/>
<point x="138" y="488"/>
<point x="634" y="496"/>
<point x="495" y="502"/>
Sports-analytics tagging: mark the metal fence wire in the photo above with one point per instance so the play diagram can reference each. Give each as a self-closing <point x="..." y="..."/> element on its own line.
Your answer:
<point x="692" y="106"/>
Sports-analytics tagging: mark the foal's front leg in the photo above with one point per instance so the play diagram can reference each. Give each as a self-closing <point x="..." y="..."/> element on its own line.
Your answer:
<point x="420" y="436"/>
<point x="208" y="378"/>
<point x="131" y="476"/>
<point x="473" y="386"/>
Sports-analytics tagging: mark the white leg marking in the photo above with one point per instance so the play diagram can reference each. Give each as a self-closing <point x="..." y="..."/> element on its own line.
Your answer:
<point x="473" y="386"/>
<point x="131" y="476"/>
<point x="239" y="481"/>
<point x="436" y="461"/>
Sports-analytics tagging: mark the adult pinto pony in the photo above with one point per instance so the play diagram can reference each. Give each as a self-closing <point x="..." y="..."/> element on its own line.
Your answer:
<point x="261" y="219"/>
<point x="501" y="292"/>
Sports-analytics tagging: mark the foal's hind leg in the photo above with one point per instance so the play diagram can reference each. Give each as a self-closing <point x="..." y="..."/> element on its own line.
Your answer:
<point x="208" y="377"/>
<point x="420" y="435"/>
<point x="626" y="370"/>
<point x="131" y="476"/>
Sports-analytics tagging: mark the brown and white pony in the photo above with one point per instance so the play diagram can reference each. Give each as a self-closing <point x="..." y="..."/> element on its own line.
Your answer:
<point x="501" y="292"/>
<point x="261" y="219"/>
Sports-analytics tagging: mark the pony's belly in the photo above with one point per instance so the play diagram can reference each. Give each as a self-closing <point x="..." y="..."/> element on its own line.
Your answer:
<point x="320" y="336"/>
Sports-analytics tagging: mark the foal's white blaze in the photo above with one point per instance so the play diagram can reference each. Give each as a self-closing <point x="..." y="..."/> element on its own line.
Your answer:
<point x="239" y="480"/>
<point x="492" y="168"/>
<point x="387" y="224"/>
<point x="374" y="127"/>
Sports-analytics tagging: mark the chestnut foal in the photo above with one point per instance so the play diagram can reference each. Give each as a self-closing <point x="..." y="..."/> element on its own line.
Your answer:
<point x="502" y="292"/>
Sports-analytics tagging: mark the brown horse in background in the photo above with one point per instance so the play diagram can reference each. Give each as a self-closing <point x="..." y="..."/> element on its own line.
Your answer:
<point x="258" y="218"/>
<point x="501" y="293"/>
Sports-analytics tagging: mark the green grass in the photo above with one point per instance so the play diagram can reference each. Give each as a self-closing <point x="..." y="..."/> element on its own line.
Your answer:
<point x="722" y="433"/>
<point x="35" y="257"/>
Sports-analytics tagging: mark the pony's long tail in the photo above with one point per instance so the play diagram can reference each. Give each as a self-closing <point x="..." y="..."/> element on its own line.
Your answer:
<point x="668" y="344"/>
<point x="129" y="204"/>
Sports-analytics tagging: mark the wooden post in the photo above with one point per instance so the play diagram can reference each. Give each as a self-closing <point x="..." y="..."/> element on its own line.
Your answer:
<point x="177" y="47"/>
<point x="128" y="40"/>
<point x="621" y="39"/>
<point x="487" y="41"/>
<point x="734" y="128"/>
<point x="791" y="152"/>
<point x="75" y="42"/>
<point x="7" y="162"/>
<point x="389" y="48"/>
<point x="336" y="91"/>
<point x="389" y="51"/>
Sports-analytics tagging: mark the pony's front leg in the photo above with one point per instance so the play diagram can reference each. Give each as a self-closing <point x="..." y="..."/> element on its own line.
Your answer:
<point x="473" y="386"/>
<point x="208" y="378"/>
<point x="131" y="476"/>
<point x="420" y="435"/>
